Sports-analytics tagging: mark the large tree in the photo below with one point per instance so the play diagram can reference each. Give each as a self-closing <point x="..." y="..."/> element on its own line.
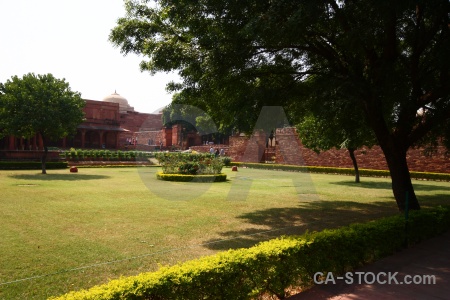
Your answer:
<point x="39" y="104"/>
<point x="389" y="58"/>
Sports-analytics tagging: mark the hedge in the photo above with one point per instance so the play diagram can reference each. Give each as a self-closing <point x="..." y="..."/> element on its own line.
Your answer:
<point x="31" y="165"/>
<point x="343" y="171"/>
<point x="192" y="178"/>
<point x="189" y="163"/>
<point x="271" y="267"/>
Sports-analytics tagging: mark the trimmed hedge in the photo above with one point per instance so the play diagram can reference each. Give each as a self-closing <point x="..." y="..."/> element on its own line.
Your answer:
<point x="343" y="171"/>
<point x="192" y="178"/>
<point x="270" y="268"/>
<point x="189" y="163"/>
<point x="31" y="165"/>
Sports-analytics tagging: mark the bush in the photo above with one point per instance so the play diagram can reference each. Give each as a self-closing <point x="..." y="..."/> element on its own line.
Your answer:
<point x="343" y="171"/>
<point x="188" y="163"/>
<point x="192" y="178"/>
<point x="226" y="161"/>
<point x="271" y="267"/>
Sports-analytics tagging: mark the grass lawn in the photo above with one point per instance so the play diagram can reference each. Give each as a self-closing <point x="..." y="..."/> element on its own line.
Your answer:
<point x="63" y="231"/>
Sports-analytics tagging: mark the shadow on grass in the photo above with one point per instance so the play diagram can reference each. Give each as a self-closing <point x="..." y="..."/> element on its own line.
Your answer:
<point x="433" y="200"/>
<point x="388" y="186"/>
<point x="64" y="177"/>
<point x="312" y="216"/>
<point x="309" y="216"/>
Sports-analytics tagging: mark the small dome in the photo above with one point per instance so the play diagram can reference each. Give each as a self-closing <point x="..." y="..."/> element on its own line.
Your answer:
<point x="123" y="103"/>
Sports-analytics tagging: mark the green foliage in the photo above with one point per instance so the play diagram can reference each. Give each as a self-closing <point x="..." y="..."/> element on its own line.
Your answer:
<point x="188" y="163"/>
<point x="22" y="165"/>
<point x="351" y="64"/>
<point x="39" y="104"/>
<point x="271" y="267"/>
<point x="343" y="171"/>
<point x="226" y="161"/>
<point x="192" y="178"/>
<point x="321" y="134"/>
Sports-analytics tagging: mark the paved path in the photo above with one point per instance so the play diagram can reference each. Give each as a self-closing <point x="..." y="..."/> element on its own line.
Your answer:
<point x="430" y="257"/>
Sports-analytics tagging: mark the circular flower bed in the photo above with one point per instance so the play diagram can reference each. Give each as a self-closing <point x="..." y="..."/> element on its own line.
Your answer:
<point x="192" y="178"/>
<point x="188" y="167"/>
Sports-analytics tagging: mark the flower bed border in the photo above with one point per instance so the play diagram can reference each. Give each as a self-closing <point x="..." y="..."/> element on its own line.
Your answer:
<point x="192" y="178"/>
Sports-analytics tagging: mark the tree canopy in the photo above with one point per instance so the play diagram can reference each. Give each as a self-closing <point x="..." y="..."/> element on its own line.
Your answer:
<point x="383" y="60"/>
<point x="39" y="104"/>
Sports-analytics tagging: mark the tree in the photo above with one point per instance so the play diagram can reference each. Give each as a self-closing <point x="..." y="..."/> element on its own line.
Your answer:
<point x="321" y="127"/>
<point x="320" y="135"/>
<point x="389" y="59"/>
<point x="39" y="104"/>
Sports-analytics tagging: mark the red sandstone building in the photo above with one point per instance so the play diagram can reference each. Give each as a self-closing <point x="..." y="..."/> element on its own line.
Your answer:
<point x="111" y="124"/>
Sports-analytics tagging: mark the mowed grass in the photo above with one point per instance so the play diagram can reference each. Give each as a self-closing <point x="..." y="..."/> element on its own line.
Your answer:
<point x="63" y="231"/>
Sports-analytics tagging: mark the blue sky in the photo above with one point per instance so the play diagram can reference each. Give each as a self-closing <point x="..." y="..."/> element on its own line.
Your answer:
<point x="69" y="38"/>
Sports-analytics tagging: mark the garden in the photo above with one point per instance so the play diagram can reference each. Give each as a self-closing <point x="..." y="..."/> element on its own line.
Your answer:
<point x="64" y="232"/>
<point x="104" y="155"/>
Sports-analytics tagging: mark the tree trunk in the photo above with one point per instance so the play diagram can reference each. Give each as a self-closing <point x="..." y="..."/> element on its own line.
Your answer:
<point x="44" y="156"/>
<point x="401" y="179"/>
<point x="355" y="163"/>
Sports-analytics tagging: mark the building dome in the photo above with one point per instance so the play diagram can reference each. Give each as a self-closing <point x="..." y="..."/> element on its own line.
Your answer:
<point x="123" y="103"/>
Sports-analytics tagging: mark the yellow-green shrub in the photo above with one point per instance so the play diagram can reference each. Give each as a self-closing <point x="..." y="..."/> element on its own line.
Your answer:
<point x="273" y="266"/>
<point x="192" y="178"/>
<point x="343" y="171"/>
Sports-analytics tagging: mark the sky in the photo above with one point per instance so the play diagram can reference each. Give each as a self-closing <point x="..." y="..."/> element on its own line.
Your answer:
<point x="69" y="39"/>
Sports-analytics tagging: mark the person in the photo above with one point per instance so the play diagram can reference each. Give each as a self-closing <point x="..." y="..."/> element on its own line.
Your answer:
<point x="211" y="150"/>
<point x="222" y="152"/>
<point x="217" y="152"/>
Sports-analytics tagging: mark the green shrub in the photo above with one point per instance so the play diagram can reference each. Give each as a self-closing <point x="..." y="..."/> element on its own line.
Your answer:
<point x="226" y="161"/>
<point x="342" y="171"/>
<point x="189" y="163"/>
<point x="192" y="178"/>
<point x="271" y="267"/>
<point x="86" y="154"/>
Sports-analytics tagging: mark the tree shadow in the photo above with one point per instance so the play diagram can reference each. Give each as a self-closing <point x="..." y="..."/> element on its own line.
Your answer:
<point x="62" y="177"/>
<point x="310" y="216"/>
<point x="433" y="200"/>
<point x="388" y="186"/>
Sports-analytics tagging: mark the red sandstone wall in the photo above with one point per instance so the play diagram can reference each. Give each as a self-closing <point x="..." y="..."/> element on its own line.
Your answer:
<point x="152" y="138"/>
<point x="135" y="121"/>
<point x="289" y="150"/>
<point x="247" y="149"/>
<point x="100" y="112"/>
